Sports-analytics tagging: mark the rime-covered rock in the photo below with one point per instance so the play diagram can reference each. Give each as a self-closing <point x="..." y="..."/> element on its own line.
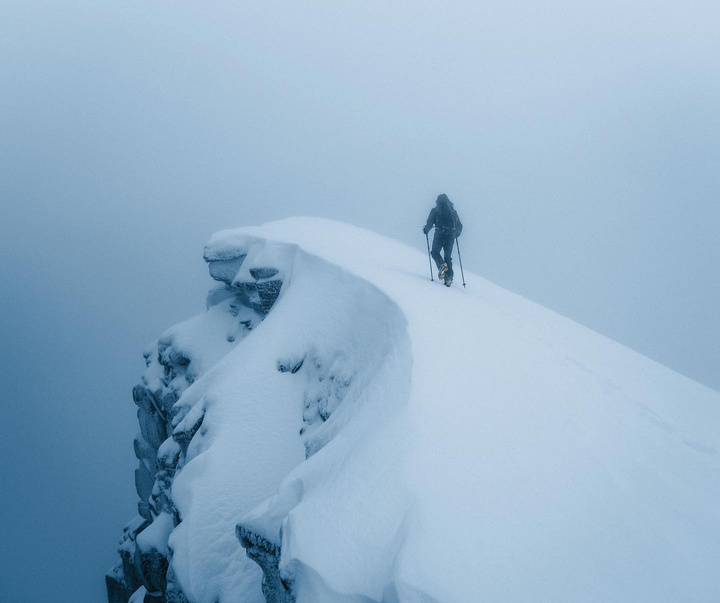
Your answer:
<point x="170" y="422"/>
<point x="267" y="555"/>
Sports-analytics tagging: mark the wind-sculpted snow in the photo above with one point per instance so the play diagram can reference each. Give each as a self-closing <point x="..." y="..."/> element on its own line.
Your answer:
<point x="337" y="428"/>
<point x="225" y="415"/>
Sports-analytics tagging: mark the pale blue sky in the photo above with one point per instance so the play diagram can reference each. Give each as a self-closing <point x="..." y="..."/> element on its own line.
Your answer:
<point x="580" y="142"/>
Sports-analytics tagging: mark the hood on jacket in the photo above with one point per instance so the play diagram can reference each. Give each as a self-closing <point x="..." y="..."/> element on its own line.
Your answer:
<point x="443" y="202"/>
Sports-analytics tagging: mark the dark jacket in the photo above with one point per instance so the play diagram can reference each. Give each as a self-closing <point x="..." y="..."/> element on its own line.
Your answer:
<point x="444" y="218"/>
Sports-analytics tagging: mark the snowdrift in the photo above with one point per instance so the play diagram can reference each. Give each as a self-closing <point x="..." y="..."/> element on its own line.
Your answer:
<point x="337" y="428"/>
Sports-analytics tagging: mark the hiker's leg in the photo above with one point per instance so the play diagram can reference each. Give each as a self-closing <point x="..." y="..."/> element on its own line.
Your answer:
<point x="447" y="252"/>
<point x="436" y="246"/>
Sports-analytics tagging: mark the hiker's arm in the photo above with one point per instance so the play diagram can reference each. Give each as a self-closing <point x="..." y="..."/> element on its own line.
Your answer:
<point x="430" y="221"/>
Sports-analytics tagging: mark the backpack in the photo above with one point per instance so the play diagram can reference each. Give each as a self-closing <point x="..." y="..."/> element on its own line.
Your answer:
<point x="447" y="221"/>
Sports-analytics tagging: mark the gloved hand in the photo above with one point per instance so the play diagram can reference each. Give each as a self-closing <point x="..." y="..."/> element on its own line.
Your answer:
<point x="425" y="230"/>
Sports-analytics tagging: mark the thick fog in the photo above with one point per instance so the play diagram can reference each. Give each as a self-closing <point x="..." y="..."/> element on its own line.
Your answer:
<point x="580" y="143"/>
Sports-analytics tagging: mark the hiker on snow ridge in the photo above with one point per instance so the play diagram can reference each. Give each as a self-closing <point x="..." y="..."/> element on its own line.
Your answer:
<point x="447" y="228"/>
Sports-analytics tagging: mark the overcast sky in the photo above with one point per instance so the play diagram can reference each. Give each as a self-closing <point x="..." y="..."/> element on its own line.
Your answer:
<point x="580" y="142"/>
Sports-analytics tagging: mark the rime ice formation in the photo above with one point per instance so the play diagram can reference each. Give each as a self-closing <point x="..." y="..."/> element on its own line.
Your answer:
<point x="337" y="428"/>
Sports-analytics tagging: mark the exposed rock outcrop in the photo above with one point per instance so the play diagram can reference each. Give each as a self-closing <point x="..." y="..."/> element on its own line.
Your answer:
<point x="223" y="424"/>
<point x="275" y="587"/>
<point x="250" y="283"/>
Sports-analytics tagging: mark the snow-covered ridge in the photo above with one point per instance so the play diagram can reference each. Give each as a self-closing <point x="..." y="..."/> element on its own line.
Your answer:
<point x="368" y="435"/>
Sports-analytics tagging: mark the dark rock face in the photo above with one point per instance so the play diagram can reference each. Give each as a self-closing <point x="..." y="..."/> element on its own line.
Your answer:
<point x="167" y="427"/>
<point x="126" y="577"/>
<point x="260" y="295"/>
<point x="154" y="567"/>
<point x="266" y="554"/>
<point x="117" y="586"/>
<point x="262" y="273"/>
<point x="174" y="593"/>
<point x="186" y="430"/>
<point x="327" y="379"/>
<point x="225" y="270"/>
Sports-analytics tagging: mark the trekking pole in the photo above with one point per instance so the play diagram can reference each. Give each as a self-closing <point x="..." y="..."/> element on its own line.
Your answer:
<point x="427" y="240"/>
<point x="457" y="243"/>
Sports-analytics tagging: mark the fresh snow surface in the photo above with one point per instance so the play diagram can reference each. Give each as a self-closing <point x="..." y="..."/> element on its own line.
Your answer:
<point x="478" y="447"/>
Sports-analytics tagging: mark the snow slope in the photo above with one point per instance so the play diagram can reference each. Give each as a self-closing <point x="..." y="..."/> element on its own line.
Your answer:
<point x="463" y="444"/>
